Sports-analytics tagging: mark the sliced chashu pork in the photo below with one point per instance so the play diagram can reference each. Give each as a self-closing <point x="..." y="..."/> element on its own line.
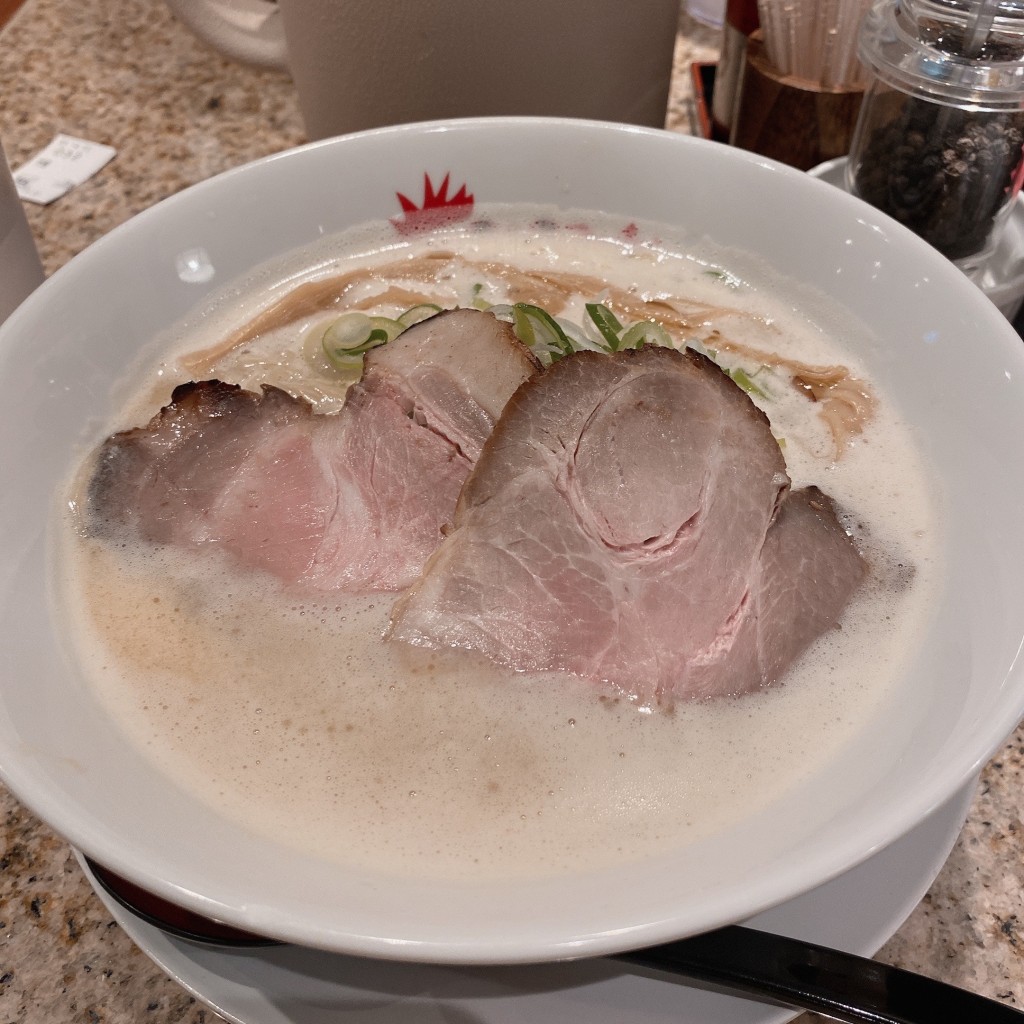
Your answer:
<point x="353" y="501"/>
<point x="630" y="521"/>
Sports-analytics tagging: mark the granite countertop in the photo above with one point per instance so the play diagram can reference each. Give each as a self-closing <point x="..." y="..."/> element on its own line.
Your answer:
<point x="123" y="72"/>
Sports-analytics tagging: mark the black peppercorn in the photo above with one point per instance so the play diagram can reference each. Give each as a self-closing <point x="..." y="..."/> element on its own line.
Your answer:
<point x="943" y="172"/>
<point x="941" y="132"/>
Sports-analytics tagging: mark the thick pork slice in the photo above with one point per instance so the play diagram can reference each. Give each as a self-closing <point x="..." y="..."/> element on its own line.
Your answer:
<point x="353" y="501"/>
<point x="805" y="577"/>
<point x="628" y="522"/>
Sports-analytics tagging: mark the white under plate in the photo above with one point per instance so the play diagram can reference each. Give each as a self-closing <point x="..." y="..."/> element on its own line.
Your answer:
<point x="284" y="984"/>
<point x="1002" y="277"/>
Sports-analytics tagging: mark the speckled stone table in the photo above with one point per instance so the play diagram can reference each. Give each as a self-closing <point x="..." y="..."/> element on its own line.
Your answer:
<point x="123" y="72"/>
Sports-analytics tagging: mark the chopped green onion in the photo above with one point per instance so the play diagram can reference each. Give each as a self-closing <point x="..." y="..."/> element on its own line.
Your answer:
<point x="605" y="321"/>
<point x="348" y="332"/>
<point x="645" y="332"/>
<point x="501" y="311"/>
<point x="476" y="302"/>
<point x="578" y="337"/>
<point x="741" y="377"/>
<point x="391" y="329"/>
<point x="699" y="346"/>
<point x="538" y="329"/>
<point x="416" y="314"/>
<point x="351" y="335"/>
<point x="348" y="337"/>
<point x="344" y="363"/>
<point x="724" y="276"/>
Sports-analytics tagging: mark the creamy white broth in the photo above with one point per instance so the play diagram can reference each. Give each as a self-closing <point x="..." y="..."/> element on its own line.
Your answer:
<point x="293" y="717"/>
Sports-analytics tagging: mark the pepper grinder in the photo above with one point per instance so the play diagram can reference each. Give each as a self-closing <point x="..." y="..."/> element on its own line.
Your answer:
<point x="940" y="135"/>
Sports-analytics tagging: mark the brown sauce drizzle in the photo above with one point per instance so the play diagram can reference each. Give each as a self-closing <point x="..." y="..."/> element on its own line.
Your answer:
<point x="323" y="296"/>
<point x="846" y="403"/>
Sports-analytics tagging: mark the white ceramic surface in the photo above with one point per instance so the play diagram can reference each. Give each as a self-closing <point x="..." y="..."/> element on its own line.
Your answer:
<point x="951" y="361"/>
<point x="856" y="912"/>
<point x="1001" y="278"/>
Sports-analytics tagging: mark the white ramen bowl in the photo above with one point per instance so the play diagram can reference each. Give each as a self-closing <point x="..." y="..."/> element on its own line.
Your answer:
<point x="947" y="357"/>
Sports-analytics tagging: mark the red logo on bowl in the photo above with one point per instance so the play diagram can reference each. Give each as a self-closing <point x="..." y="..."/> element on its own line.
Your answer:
<point x="438" y="208"/>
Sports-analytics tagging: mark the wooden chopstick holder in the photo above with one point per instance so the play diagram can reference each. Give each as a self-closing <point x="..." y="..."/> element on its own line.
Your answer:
<point x="792" y="120"/>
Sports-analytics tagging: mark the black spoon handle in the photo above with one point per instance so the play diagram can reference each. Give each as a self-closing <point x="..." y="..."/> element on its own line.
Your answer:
<point x="808" y="977"/>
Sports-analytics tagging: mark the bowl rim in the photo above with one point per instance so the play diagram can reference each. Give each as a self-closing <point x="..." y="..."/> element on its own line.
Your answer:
<point x="758" y="895"/>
